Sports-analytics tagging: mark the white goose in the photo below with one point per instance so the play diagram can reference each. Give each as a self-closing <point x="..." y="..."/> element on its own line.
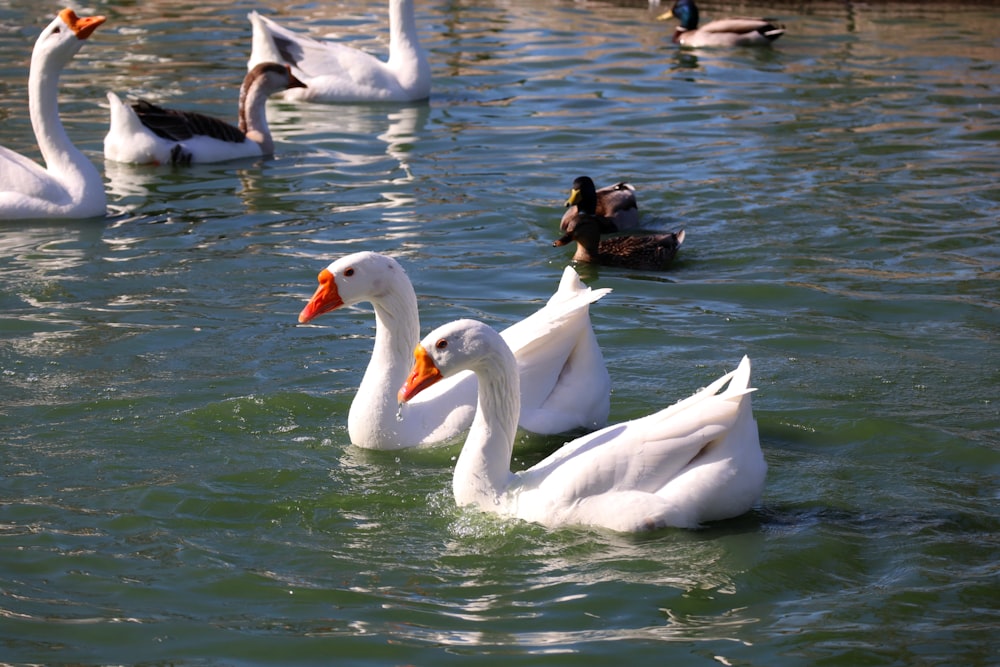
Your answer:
<point x="69" y="186"/>
<point x="339" y="73"/>
<point x="563" y="376"/>
<point x="144" y="133"/>
<point x="696" y="461"/>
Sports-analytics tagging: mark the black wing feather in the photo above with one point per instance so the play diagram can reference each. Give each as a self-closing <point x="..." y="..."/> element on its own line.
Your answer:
<point x="176" y="125"/>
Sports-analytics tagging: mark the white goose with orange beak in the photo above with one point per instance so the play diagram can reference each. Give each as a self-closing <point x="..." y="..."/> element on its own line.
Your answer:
<point x="565" y="383"/>
<point x="697" y="461"/>
<point x="69" y="186"/>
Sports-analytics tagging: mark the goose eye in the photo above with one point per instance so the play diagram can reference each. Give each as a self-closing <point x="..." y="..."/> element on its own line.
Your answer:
<point x="56" y="29"/>
<point x="441" y="344"/>
<point x="349" y="272"/>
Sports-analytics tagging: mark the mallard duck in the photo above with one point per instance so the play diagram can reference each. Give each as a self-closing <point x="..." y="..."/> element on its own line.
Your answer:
<point x="145" y="133"/>
<point x="340" y="73"/>
<point x="723" y="32"/>
<point x="564" y="379"/>
<point x="615" y="205"/>
<point x="694" y="462"/>
<point x="646" y="252"/>
<point x="69" y="186"/>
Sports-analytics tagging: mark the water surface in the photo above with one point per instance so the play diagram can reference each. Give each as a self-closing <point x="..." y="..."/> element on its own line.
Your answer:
<point x="178" y="486"/>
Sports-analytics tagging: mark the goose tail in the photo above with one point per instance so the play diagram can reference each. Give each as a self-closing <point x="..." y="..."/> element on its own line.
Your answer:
<point x="572" y="288"/>
<point x="263" y="49"/>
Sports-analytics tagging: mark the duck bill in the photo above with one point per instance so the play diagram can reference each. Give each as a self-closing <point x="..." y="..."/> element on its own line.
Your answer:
<point x="574" y="197"/>
<point x="83" y="26"/>
<point x="665" y="16"/>
<point x="423" y="374"/>
<point x="562" y="240"/>
<point x="325" y="299"/>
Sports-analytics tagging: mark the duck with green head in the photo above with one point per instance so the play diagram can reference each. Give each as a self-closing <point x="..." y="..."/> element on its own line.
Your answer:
<point x="649" y="252"/>
<point x="614" y="205"/>
<point x="739" y="31"/>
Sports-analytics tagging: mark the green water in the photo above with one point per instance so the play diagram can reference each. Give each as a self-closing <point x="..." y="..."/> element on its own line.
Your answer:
<point x="177" y="483"/>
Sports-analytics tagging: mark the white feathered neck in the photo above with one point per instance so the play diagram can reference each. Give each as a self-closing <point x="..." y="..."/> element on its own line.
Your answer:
<point x="397" y="326"/>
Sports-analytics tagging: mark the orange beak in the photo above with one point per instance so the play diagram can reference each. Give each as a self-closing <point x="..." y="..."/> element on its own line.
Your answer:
<point x="81" y="27"/>
<point x="325" y="299"/>
<point x="423" y="374"/>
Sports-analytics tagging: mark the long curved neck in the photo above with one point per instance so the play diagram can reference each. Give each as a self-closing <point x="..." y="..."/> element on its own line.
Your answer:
<point x="406" y="57"/>
<point x="482" y="472"/>
<point x="372" y="419"/>
<point x="62" y="158"/>
<point x="253" y="113"/>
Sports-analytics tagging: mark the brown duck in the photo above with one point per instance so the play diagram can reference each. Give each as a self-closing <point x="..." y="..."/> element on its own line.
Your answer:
<point x="616" y="206"/>
<point x="647" y="252"/>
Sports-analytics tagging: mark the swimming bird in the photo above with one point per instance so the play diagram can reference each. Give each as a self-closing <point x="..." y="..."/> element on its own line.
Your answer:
<point x="723" y="32"/>
<point x="615" y="205"/>
<point x="645" y="252"/>
<point x="69" y="186"/>
<point x="565" y="383"/>
<point x="145" y="133"/>
<point x="697" y="461"/>
<point x="337" y="72"/>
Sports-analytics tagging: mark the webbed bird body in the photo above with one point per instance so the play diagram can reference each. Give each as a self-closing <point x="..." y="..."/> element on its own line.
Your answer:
<point x="69" y="186"/>
<point x="649" y="252"/>
<point x="337" y="72"/>
<point x="696" y="461"/>
<point x="145" y="133"/>
<point x="644" y="252"/>
<point x="564" y="378"/>
<point x="740" y="31"/>
<point x="616" y="206"/>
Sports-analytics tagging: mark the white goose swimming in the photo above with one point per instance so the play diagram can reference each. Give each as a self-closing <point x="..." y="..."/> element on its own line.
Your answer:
<point x="69" y="186"/>
<point x="697" y="461"/>
<point x="144" y="133"/>
<point x="564" y="380"/>
<point x="339" y="73"/>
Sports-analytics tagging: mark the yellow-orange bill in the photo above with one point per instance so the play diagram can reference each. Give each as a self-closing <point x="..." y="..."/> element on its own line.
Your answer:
<point x="325" y="299"/>
<point x="423" y="374"/>
<point x="82" y="26"/>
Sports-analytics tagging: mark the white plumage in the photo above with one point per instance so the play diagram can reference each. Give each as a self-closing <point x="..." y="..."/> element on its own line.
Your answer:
<point x="696" y="461"/>
<point x="564" y="380"/>
<point x="69" y="186"/>
<point x="336" y="72"/>
<point x="144" y="133"/>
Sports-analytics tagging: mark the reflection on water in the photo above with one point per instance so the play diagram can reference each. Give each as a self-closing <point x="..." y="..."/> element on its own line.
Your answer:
<point x="36" y="250"/>
<point x="348" y="132"/>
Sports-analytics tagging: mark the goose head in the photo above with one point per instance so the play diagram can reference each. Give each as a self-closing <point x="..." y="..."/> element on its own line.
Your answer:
<point x="61" y="40"/>
<point x="363" y="276"/>
<point x="261" y="82"/>
<point x="462" y="345"/>
<point x="272" y="78"/>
